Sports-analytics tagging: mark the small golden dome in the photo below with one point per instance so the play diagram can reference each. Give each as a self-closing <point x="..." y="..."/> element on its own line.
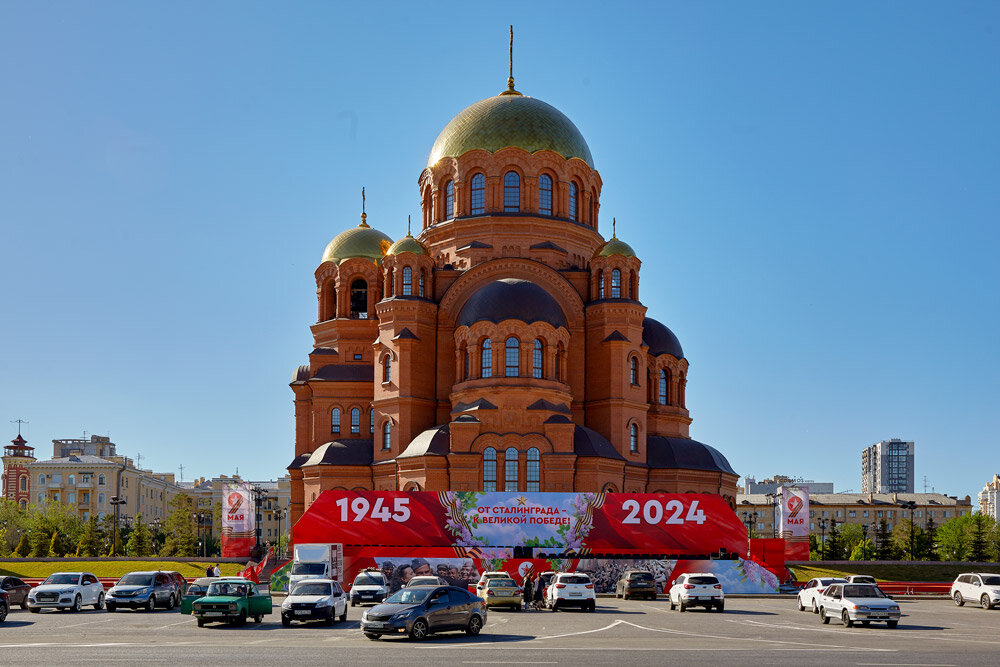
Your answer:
<point x="407" y="244"/>
<point x="510" y="119"/>
<point x="361" y="241"/>
<point x="615" y="247"/>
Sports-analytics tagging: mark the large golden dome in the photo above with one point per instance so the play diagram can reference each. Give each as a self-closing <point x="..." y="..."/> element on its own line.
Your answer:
<point x="510" y="119"/>
<point x="361" y="241"/>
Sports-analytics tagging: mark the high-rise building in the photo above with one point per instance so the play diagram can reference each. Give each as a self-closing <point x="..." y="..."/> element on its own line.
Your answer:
<point x="988" y="497"/>
<point x="887" y="467"/>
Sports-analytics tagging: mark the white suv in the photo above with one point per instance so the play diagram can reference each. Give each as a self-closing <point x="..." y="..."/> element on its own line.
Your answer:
<point x="983" y="587"/>
<point x="808" y="597"/>
<point x="66" y="590"/>
<point x="484" y="581"/>
<point x="571" y="589"/>
<point x="697" y="589"/>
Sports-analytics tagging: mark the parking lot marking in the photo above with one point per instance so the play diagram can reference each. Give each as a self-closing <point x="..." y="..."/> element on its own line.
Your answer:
<point x="76" y="625"/>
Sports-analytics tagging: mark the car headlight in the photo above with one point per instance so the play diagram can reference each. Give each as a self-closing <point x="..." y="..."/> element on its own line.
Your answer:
<point x="893" y="608"/>
<point x="398" y="616"/>
<point x="68" y="591"/>
<point x="233" y="606"/>
<point x="364" y="616"/>
<point x="287" y="604"/>
<point x="861" y="607"/>
<point x="382" y="591"/>
<point x="323" y="603"/>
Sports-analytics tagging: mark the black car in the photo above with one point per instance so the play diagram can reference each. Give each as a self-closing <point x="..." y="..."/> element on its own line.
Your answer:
<point x="17" y="591"/>
<point x="423" y="610"/>
<point x="636" y="583"/>
<point x="4" y="606"/>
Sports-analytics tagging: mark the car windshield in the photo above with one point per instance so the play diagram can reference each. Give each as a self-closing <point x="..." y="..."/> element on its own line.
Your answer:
<point x="62" y="579"/>
<point x="863" y="592"/>
<point x="704" y="581"/>
<point x="424" y="581"/>
<point x="308" y="568"/>
<point x="310" y="588"/>
<point x="991" y="581"/>
<point x="864" y="580"/>
<point x="228" y="588"/>
<point x="502" y="582"/>
<point x="574" y="580"/>
<point x="136" y="580"/>
<point x="368" y="580"/>
<point x="195" y="589"/>
<point x="640" y="576"/>
<point x="409" y="596"/>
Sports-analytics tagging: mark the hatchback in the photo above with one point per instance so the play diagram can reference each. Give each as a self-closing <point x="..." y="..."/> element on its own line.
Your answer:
<point x="423" y="610"/>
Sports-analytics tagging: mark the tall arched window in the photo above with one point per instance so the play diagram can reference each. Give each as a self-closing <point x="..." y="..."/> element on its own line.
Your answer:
<point x="449" y="200"/>
<point x="545" y="194"/>
<point x="386" y="368"/>
<point x="633" y="370"/>
<point x="41" y="479"/>
<point x="335" y="420"/>
<point x="572" y="201"/>
<point x="616" y="284"/>
<point x="359" y="299"/>
<point x="355" y="421"/>
<point x="511" y="192"/>
<point x="420" y="284"/>
<point x="100" y="499"/>
<point x="512" y="358"/>
<point x="387" y="435"/>
<point x="536" y="359"/>
<point x="24" y="483"/>
<point x="633" y="437"/>
<point x="486" y="359"/>
<point x="663" y="387"/>
<point x="510" y="469"/>
<point x="390" y="284"/>
<point x="477" y="195"/>
<point x="371" y="421"/>
<point x="407" y="281"/>
<point x="101" y="480"/>
<point x="72" y="480"/>
<point x="533" y="470"/>
<point x="600" y="284"/>
<point x="489" y="469"/>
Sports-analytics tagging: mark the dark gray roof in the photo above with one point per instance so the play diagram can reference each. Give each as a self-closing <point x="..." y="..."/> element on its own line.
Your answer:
<point x="346" y="452"/>
<point x="664" y="452"/>
<point x="324" y="351"/>
<point x="558" y="419"/>
<point x="432" y="442"/>
<point x="475" y="244"/>
<point x="660" y="339"/>
<point x="405" y="334"/>
<point x="542" y="404"/>
<point x="588" y="442"/>
<point x="511" y="299"/>
<point x="346" y="373"/>
<point x="298" y="461"/>
<point x="301" y="373"/>
<point x="478" y="404"/>
<point x="615" y="335"/>
<point x="547" y="245"/>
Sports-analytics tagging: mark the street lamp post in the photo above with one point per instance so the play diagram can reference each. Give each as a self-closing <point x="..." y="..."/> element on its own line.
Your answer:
<point x="280" y="514"/>
<point x="910" y="505"/>
<point x="156" y="534"/>
<point x="772" y="499"/>
<point x="864" y="540"/>
<point x="749" y="518"/>
<point x="117" y="501"/>
<point x="822" y="539"/>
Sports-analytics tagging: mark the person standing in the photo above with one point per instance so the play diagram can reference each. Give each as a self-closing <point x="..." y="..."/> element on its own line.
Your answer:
<point x="527" y="584"/>
<point x="209" y="571"/>
<point x="539" y="593"/>
<point x="216" y="571"/>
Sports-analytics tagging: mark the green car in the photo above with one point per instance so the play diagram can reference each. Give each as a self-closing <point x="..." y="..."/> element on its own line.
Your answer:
<point x="197" y="590"/>
<point x="232" y="600"/>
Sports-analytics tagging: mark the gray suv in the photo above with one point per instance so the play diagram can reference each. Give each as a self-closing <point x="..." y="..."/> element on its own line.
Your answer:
<point x="144" y="590"/>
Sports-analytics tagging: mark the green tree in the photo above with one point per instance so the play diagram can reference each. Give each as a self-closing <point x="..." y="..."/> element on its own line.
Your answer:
<point x="834" y="542"/>
<point x="953" y="539"/>
<point x="140" y="540"/>
<point x="181" y="527"/>
<point x="883" y="541"/>
<point x="863" y="550"/>
<point x="814" y="553"/>
<point x="901" y="539"/>
<point x="54" y="546"/>
<point x="5" y="549"/>
<point x="40" y="542"/>
<point x="23" y="547"/>
<point x="978" y="529"/>
<point x="90" y="539"/>
<point x="930" y="537"/>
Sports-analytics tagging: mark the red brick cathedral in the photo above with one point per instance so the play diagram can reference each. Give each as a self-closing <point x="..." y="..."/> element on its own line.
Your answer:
<point x="505" y="346"/>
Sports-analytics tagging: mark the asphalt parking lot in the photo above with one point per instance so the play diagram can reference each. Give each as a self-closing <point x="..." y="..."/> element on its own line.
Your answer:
<point x="765" y="631"/>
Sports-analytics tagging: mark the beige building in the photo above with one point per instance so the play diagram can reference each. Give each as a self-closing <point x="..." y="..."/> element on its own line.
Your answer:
<point x="274" y="498"/>
<point x="869" y="509"/>
<point x="88" y="474"/>
<point x="988" y="497"/>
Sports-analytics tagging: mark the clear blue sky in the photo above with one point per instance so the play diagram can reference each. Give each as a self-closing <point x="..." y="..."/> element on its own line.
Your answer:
<point x="812" y="188"/>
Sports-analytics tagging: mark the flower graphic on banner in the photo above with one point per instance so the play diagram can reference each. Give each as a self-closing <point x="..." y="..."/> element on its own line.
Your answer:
<point x="462" y="518"/>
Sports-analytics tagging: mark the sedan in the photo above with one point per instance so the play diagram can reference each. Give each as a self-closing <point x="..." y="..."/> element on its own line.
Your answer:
<point x="807" y="598"/>
<point x="17" y="591"/>
<point x="4" y="605"/>
<point x="858" y="603"/>
<point x="418" y="612"/>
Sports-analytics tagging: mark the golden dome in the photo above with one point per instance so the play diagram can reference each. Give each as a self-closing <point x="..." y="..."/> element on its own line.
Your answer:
<point x="407" y="244"/>
<point x="510" y="119"/>
<point x="615" y="247"/>
<point x="361" y="241"/>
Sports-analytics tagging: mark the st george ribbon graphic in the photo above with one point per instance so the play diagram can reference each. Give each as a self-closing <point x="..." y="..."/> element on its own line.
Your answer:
<point x="238" y="521"/>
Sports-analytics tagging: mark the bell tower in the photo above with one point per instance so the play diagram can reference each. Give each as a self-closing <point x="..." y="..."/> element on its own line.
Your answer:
<point x="16" y="476"/>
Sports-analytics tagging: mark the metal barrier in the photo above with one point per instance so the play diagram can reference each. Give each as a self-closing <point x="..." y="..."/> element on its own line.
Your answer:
<point x="909" y="587"/>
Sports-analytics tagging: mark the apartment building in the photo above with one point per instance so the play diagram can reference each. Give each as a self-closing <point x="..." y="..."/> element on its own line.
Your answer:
<point x="887" y="467"/>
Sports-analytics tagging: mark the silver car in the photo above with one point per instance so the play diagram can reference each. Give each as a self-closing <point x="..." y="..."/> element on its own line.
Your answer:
<point x="858" y="603"/>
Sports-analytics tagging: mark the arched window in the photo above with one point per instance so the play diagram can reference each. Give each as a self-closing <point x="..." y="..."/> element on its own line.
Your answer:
<point x="536" y="359"/>
<point x="41" y="479"/>
<point x="533" y="470"/>
<point x="359" y="299"/>
<point x="386" y="369"/>
<point x="486" y="359"/>
<point x="420" y="285"/>
<point x="616" y="284"/>
<point x="489" y="469"/>
<point x="101" y="480"/>
<point x="24" y="483"/>
<point x="512" y="359"/>
<point x="572" y="201"/>
<point x="510" y="469"/>
<point x="545" y="194"/>
<point x="335" y="420"/>
<point x="511" y="192"/>
<point x="72" y="480"/>
<point x="355" y="421"/>
<point x="633" y="370"/>
<point x="633" y="437"/>
<point x="71" y="498"/>
<point x="477" y="195"/>
<point x="387" y="435"/>
<point x="557" y="371"/>
<point x="371" y="421"/>
<point x="407" y="281"/>
<point x="390" y="283"/>
<point x="663" y="387"/>
<point x="633" y="285"/>
<point x="449" y="200"/>
<point x="600" y="284"/>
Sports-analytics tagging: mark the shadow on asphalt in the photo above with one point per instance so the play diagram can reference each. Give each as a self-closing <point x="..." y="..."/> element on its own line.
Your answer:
<point x="15" y="624"/>
<point x="484" y="638"/>
<point x="746" y="612"/>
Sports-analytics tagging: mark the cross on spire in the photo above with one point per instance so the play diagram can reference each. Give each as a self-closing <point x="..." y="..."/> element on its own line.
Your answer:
<point x="364" y="216"/>
<point x="614" y="233"/>
<point x="18" y="422"/>
<point x="408" y="226"/>
<point x="510" y="78"/>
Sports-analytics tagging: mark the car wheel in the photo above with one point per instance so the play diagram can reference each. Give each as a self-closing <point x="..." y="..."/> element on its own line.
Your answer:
<point x="353" y="604"/>
<point x="985" y="602"/>
<point x="4" y="610"/>
<point x="555" y="606"/>
<point x="475" y="626"/>
<point x="151" y="603"/>
<point x="958" y="598"/>
<point x="242" y="620"/>
<point x="891" y="624"/>
<point x="258" y="619"/>
<point x="78" y="603"/>
<point x="343" y="617"/>
<point x="372" y="636"/>
<point x="285" y="621"/>
<point x="815" y="608"/>
<point x="111" y="607"/>
<point x="592" y="606"/>
<point x="171" y="603"/>
<point x="683" y="607"/>
<point x="823" y="617"/>
<point x="419" y="630"/>
<point x="845" y="618"/>
<point x="798" y="602"/>
<point x="721" y="606"/>
<point x="672" y="605"/>
<point x="24" y="602"/>
<point x="100" y="602"/>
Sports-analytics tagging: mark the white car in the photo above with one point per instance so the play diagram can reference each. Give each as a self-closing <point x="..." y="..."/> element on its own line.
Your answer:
<point x="426" y="580"/>
<point x="369" y="586"/>
<point x="697" y="589"/>
<point x="983" y="587"/>
<point x="67" y="590"/>
<point x="807" y="597"/>
<point x="485" y="578"/>
<point x="314" y="599"/>
<point x="857" y="603"/>
<point x="571" y="589"/>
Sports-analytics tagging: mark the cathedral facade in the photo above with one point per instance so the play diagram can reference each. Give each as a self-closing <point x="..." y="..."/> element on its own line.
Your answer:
<point x="505" y="346"/>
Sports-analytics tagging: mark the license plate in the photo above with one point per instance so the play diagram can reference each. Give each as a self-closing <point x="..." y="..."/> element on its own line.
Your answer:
<point x="376" y="625"/>
<point x="302" y="612"/>
<point x="214" y="613"/>
<point x="575" y="595"/>
<point x="878" y="616"/>
<point x="367" y="595"/>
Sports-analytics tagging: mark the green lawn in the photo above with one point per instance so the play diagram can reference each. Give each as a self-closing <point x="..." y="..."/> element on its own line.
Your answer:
<point x="919" y="571"/>
<point x="111" y="568"/>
